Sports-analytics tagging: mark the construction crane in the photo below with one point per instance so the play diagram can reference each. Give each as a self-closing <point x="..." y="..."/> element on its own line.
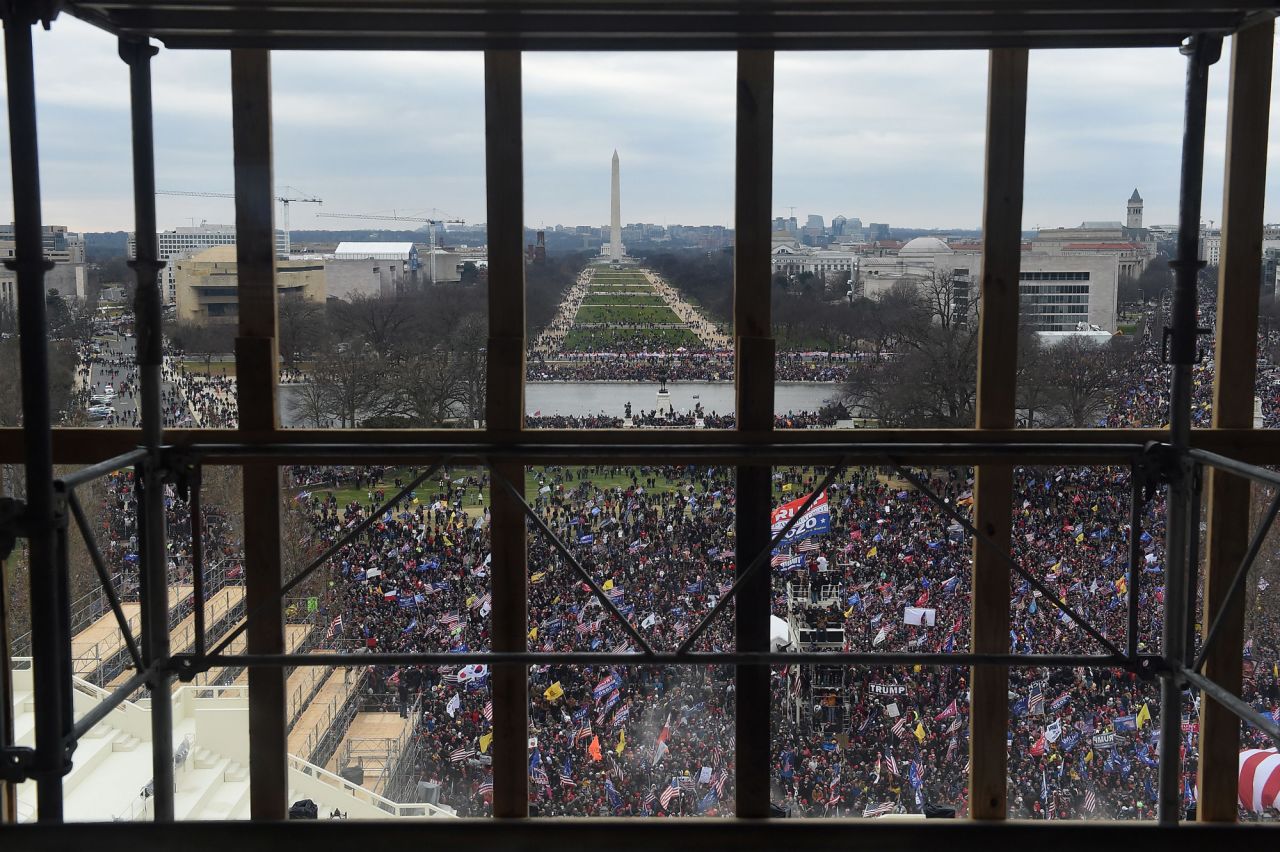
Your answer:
<point x="392" y="218"/>
<point x="431" y="223"/>
<point x="288" y="195"/>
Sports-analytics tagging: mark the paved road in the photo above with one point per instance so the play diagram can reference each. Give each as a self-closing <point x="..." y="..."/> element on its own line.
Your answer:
<point x="114" y="366"/>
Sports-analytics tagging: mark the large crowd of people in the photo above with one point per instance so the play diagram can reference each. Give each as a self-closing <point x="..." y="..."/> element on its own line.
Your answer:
<point x="890" y="572"/>
<point x="615" y="739"/>
<point x="697" y="366"/>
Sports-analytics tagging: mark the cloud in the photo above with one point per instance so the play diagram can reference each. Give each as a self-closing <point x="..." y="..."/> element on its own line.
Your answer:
<point x="887" y="136"/>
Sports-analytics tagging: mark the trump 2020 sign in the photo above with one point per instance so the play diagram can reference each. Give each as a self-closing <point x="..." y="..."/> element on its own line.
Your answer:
<point x="816" y="521"/>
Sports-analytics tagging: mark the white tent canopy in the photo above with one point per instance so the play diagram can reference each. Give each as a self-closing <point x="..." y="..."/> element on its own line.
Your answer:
<point x="779" y="634"/>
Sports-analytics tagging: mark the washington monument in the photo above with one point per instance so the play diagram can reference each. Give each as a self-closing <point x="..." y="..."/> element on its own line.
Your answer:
<point x="615" y="217"/>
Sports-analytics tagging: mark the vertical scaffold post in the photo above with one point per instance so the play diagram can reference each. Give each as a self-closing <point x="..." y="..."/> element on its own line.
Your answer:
<point x="148" y="351"/>
<point x="256" y="375"/>
<point x="1235" y="362"/>
<point x="504" y="413"/>
<point x="997" y="366"/>
<point x="754" y="344"/>
<point x="51" y="673"/>
<point x="1201" y="52"/>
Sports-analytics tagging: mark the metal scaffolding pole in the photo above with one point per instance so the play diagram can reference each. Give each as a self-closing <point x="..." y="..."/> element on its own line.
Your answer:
<point x="52" y="674"/>
<point x="149" y="353"/>
<point x="1201" y="53"/>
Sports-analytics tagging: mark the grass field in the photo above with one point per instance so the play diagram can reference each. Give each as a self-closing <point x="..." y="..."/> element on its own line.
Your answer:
<point x="626" y="315"/>
<point x="609" y="339"/>
<point x="619" y="277"/>
<point x="198" y="367"/>
<point x="606" y="298"/>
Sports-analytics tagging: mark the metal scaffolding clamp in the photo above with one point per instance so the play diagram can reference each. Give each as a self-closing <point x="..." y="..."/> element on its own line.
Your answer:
<point x="16" y="764"/>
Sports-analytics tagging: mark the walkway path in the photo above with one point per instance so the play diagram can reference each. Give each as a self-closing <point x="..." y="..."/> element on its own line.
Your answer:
<point x="551" y="341"/>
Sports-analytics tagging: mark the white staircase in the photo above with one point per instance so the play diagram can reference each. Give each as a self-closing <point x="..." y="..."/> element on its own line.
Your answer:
<point x="111" y="766"/>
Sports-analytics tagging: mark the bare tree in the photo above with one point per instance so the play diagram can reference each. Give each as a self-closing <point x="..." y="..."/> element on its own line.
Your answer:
<point x="1082" y="376"/>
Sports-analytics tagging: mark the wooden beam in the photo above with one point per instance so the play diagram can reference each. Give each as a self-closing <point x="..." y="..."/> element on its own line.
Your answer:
<point x="1236" y="359"/>
<point x="256" y="367"/>
<point x="997" y="367"/>
<point x="504" y="411"/>
<point x="753" y="341"/>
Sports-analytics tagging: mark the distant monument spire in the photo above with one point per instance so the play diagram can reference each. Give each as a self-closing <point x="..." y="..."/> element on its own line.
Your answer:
<point x="615" y="216"/>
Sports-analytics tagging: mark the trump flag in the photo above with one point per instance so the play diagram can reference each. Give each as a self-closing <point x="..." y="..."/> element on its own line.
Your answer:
<point x="815" y="521"/>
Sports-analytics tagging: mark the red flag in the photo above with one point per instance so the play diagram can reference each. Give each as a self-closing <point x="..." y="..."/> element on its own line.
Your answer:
<point x="594" y="749"/>
<point x="1038" y="748"/>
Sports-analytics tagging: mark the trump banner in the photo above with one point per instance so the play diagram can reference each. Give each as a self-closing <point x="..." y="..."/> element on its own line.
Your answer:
<point x="816" y="521"/>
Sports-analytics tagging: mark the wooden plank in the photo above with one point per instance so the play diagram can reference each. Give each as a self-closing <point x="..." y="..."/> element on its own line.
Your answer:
<point x="1233" y="390"/>
<point x="504" y="413"/>
<point x="753" y="342"/>
<point x="997" y="364"/>
<point x="256" y="385"/>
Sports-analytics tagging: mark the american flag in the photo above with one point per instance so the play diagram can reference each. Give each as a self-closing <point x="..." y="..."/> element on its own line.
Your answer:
<point x="1053" y="806"/>
<point x="566" y="776"/>
<point x="807" y="546"/>
<point x="718" y="781"/>
<point x="724" y="588"/>
<point x="335" y="625"/>
<point x="672" y="790"/>
<point x="480" y="602"/>
<point x="450" y="619"/>
<point x="539" y="776"/>
<point x="488" y="711"/>
<point x="1090" y="801"/>
<point x="649" y="800"/>
<point x="901" y="729"/>
<point x="1035" y="701"/>
<point x="779" y="559"/>
<point x="878" y="810"/>
<point x="485" y="789"/>
<point x="891" y="765"/>
<point x="460" y="754"/>
<point x="584" y="732"/>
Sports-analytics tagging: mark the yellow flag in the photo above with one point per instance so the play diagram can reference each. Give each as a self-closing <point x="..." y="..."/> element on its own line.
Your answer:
<point x="608" y="584"/>
<point x="1056" y="566"/>
<point x="1144" y="715"/>
<point x="1088" y="758"/>
<point x="848" y="612"/>
<point x="553" y="691"/>
<point x="1079" y="537"/>
<point x="872" y="552"/>
<point x="533" y="634"/>
<point x="538" y="577"/>
<point x="485" y="739"/>
<point x="919" y="731"/>
<point x="786" y="486"/>
<point x="622" y="743"/>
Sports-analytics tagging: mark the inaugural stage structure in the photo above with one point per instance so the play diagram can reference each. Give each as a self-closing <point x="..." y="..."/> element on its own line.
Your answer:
<point x="1209" y="469"/>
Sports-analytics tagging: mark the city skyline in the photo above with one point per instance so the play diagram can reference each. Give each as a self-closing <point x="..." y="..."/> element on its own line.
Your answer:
<point x="889" y="137"/>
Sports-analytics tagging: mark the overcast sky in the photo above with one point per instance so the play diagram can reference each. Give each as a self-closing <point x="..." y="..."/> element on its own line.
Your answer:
<point x="887" y="137"/>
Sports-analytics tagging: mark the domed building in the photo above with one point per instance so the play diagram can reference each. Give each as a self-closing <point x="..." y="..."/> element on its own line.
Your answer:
<point x="924" y="245"/>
